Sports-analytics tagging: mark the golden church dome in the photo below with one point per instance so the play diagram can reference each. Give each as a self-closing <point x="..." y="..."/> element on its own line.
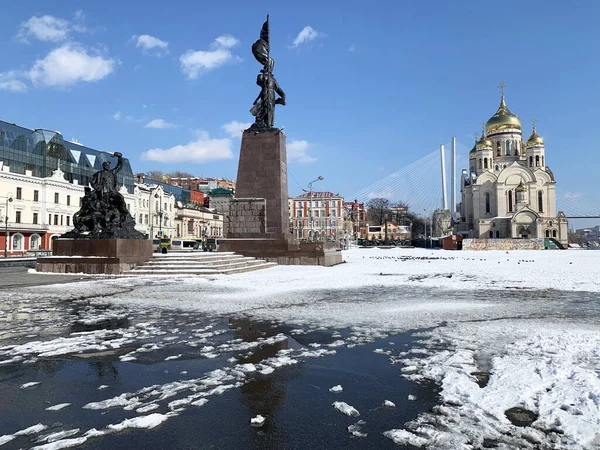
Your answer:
<point x="483" y="142"/>
<point x="503" y="120"/>
<point x="521" y="187"/>
<point x="535" y="139"/>
<point x="473" y="151"/>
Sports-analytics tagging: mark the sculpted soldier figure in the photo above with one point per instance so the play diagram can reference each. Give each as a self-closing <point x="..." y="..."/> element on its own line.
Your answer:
<point x="264" y="105"/>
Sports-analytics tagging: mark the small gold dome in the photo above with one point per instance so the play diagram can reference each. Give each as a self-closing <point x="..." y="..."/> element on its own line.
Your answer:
<point x="502" y="120"/>
<point x="483" y="142"/>
<point x="521" y="187"/>
<point x="535" y="139"/>
<point x="473" y="151"/>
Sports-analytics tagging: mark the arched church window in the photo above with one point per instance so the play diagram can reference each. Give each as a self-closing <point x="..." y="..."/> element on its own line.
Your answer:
<point x="537" y="160"/>
<point x="531" y="161"/>
<point x="507" y="148"/>
<point x="497" y="167"/>
<point x="547" y="233"/>
<point x="485" y="163"/>
<point x="516" y="146"/>
<point x="504" y="166"/>
<point x="491" y="234"/>
<point x="488" y="202"/>
<point x="497" y="234"/>
<point x="498" y="150"/>
<point x="510" y="201"/>
<point x="553" y="233"/>
<point x="479" y="163"/>
<point x="540" y="201"/>
<point x="542" y="160"/>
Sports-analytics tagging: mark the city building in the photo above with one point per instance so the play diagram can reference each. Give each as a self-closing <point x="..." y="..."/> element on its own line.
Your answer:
<point x="355" y="217"/>
<point x="218" y="201"/>
<point x="193" y="221"/>
<point x="201" y="184"/>
<point x="317" y="216"/>
<point x="509" y="191"/>
<point x="42" y="181"/>
<point x="155" y="212"/>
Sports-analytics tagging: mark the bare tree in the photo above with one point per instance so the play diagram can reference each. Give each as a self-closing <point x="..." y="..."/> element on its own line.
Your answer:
<point x="178" y="174"/>
<point x="377" y="210"/>
<point x="155" y="175"/>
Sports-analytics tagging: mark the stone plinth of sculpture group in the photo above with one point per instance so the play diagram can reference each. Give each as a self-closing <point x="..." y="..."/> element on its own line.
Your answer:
<point x="104" y="239"/>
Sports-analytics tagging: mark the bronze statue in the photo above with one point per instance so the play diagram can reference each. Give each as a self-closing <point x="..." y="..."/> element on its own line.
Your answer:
<point x="103" y="213"/>
<point x="264" y="105"/>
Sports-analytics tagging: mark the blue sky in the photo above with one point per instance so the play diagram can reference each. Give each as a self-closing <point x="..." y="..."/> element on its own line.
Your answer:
<point x="371" y="87"/>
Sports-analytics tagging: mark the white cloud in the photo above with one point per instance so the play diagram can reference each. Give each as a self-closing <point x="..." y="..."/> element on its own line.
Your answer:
<point x="296" y="150"/>
<point x="9" y="82"/>
<point x="225" y="41"/>
<point x="117" y="115"/>
<point x="68" y="65"/>
<point x="307" y="34"/>
<point x="193" y="63"/>
<point x="50" y="28"/>
<point x="151" y="45"/>
<point x="159" y="123"/>
<point x="203" y="149"/>
<point x="235" y="128"/>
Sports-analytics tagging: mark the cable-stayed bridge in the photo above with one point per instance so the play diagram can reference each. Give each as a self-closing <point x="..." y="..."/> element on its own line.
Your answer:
<point x="419" y="184"/>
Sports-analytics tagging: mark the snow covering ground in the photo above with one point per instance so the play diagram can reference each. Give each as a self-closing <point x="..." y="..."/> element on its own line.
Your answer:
<point x="527" y="319"/>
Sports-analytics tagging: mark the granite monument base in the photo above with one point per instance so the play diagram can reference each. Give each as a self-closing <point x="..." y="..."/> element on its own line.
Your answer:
<point x="284" y="252"/>
<point x="95" y="256"/>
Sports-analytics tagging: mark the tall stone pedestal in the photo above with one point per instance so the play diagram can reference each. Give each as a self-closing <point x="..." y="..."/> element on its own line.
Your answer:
<point x="259" y="215"/>
<point x="95" y="256"/>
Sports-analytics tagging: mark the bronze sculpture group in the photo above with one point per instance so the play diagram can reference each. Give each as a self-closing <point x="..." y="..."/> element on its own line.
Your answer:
<point x="103" y="213"/>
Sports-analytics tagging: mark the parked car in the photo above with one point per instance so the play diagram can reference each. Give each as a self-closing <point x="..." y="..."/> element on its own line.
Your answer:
<point x="210" y="245"/>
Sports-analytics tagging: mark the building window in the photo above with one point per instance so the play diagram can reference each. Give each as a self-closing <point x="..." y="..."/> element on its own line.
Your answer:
<point x="537" y="160"/>
<point x="17" y="216"/>
<point x="498" y="150"/>
<point x="56" y="197"/>
<point x="491" y="234"/>
<point x="55" y="219"/>
<point x="497" y="167"/>
<point x="19" y="193"/>
<point x="553" y="233"/>
<point x="61" y="220"/>
<point x="531" y="161"/>
<point x="35" y="218"/>
<point x="146" y="219"/>
<point x="540" y="201"/>
<point x="485" y="165"/>
<point x="49" y="219"/>
<point x="542" y="160"/>
<point x="488" y="202"/>
<point x="34" y="242"/>
<point x="507" y="148"/>
<point x="497" y="234"/>
<point x="36" y="196"/>
<point x="141" y="218"/>
<point x="547" y="233"/>
<point x="510" y="201"/>
<point x="68" y="200"/>
<point x="17" y="242"/>
<point x="479" y="163"/>
<point x="68" y="221"/>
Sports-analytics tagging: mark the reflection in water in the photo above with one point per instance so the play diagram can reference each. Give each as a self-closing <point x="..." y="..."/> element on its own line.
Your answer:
<point x="104" y="367"/>
<point x="264" y="396"/>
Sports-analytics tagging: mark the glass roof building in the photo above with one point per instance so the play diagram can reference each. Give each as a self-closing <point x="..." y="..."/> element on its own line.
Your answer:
<point x="42" y="151"/>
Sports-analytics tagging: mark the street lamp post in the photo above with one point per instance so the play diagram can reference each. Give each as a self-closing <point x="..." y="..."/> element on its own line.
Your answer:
<point x="160" y="213"/>
<point x="311" y="229"/>
<point x="9" y="198"/>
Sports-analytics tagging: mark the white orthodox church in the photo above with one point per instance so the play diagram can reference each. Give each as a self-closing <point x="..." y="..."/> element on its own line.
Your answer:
<point x="509" y="191"/>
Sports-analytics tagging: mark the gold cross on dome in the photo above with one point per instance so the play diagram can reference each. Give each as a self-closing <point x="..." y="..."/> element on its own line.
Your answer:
<point x="502" y="86"/>
<point x="476" y="136"/>
<point x="482" y="127"/>
<point x="534" y="122"/>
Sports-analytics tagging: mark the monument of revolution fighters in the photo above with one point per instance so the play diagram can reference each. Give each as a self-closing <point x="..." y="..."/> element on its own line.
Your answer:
<point x="259" y="215"/>
<point x="104" y="238"/>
